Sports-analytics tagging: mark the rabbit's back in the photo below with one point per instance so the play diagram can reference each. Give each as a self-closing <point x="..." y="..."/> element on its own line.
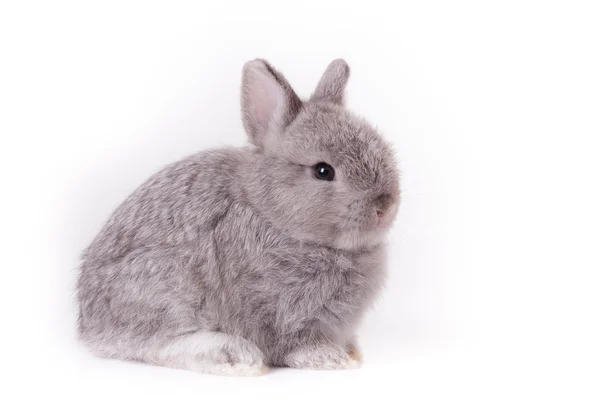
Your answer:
<point x="177" y="205"/>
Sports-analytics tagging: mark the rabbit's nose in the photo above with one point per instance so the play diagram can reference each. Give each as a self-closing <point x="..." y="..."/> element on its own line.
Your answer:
<point x="383" y="203"/>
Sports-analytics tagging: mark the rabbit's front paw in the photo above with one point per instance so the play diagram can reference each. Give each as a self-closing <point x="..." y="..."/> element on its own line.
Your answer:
<point x="353" y="351"/>
<point x="323" y="356"/>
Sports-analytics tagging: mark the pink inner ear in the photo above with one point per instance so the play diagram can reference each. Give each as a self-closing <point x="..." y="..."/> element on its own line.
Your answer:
<point x="263" y="97"/>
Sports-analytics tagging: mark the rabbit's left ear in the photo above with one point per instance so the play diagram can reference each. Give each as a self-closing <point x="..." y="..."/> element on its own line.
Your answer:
<point x="269" y="103"/>
<point x="333" y="82"/>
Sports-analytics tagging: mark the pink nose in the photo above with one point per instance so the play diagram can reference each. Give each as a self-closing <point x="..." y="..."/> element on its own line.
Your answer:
<point x="382" y="204"/>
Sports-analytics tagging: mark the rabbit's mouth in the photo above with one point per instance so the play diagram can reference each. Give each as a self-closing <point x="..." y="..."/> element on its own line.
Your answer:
<point x="367" y="229"/>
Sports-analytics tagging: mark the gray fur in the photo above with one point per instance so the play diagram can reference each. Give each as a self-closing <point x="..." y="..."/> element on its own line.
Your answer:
<point x="332" y="84"/>
<point x="247" y="243"/>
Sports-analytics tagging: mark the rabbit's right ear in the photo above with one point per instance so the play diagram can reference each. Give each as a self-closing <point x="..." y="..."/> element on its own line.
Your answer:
<point x="333" y="83"/>
<point x="269" y="103"/>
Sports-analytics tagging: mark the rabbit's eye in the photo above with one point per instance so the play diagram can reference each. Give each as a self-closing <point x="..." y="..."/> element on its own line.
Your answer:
<point x="324" y="171"/>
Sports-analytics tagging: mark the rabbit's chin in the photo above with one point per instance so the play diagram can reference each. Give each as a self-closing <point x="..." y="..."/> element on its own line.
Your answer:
<point x="355" y="239"/>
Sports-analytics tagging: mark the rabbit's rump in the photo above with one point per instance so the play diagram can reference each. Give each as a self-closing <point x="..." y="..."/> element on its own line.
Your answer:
<point x="144" y="295"/>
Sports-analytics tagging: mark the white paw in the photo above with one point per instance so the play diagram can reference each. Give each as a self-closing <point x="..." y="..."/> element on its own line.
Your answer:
<point x="321" y="357"/>
<point x="237" y="357"/>
<point x="235" y="369"/>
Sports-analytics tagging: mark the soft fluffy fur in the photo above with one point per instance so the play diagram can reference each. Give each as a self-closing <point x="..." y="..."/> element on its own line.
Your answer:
<point x="234" y="259"/>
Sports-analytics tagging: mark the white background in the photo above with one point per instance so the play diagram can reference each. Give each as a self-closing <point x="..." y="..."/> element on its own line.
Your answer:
<point x="493" y="108"/>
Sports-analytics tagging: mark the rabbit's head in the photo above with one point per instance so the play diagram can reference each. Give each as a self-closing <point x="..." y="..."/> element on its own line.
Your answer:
<point x="322" y="174"/>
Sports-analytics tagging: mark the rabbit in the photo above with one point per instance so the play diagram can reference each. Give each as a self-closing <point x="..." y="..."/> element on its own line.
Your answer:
<point x="235" y="260"/>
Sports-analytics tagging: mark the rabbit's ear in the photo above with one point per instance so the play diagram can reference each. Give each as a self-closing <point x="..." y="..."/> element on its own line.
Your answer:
<point x="269" y="103"/>
<point x="333" y="82"/>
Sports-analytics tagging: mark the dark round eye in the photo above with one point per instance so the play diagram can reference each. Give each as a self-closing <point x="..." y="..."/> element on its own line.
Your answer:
<point x="324" y="171"/>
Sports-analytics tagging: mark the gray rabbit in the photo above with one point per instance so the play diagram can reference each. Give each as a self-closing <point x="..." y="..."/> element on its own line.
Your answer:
<point x="233" y="260"/>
